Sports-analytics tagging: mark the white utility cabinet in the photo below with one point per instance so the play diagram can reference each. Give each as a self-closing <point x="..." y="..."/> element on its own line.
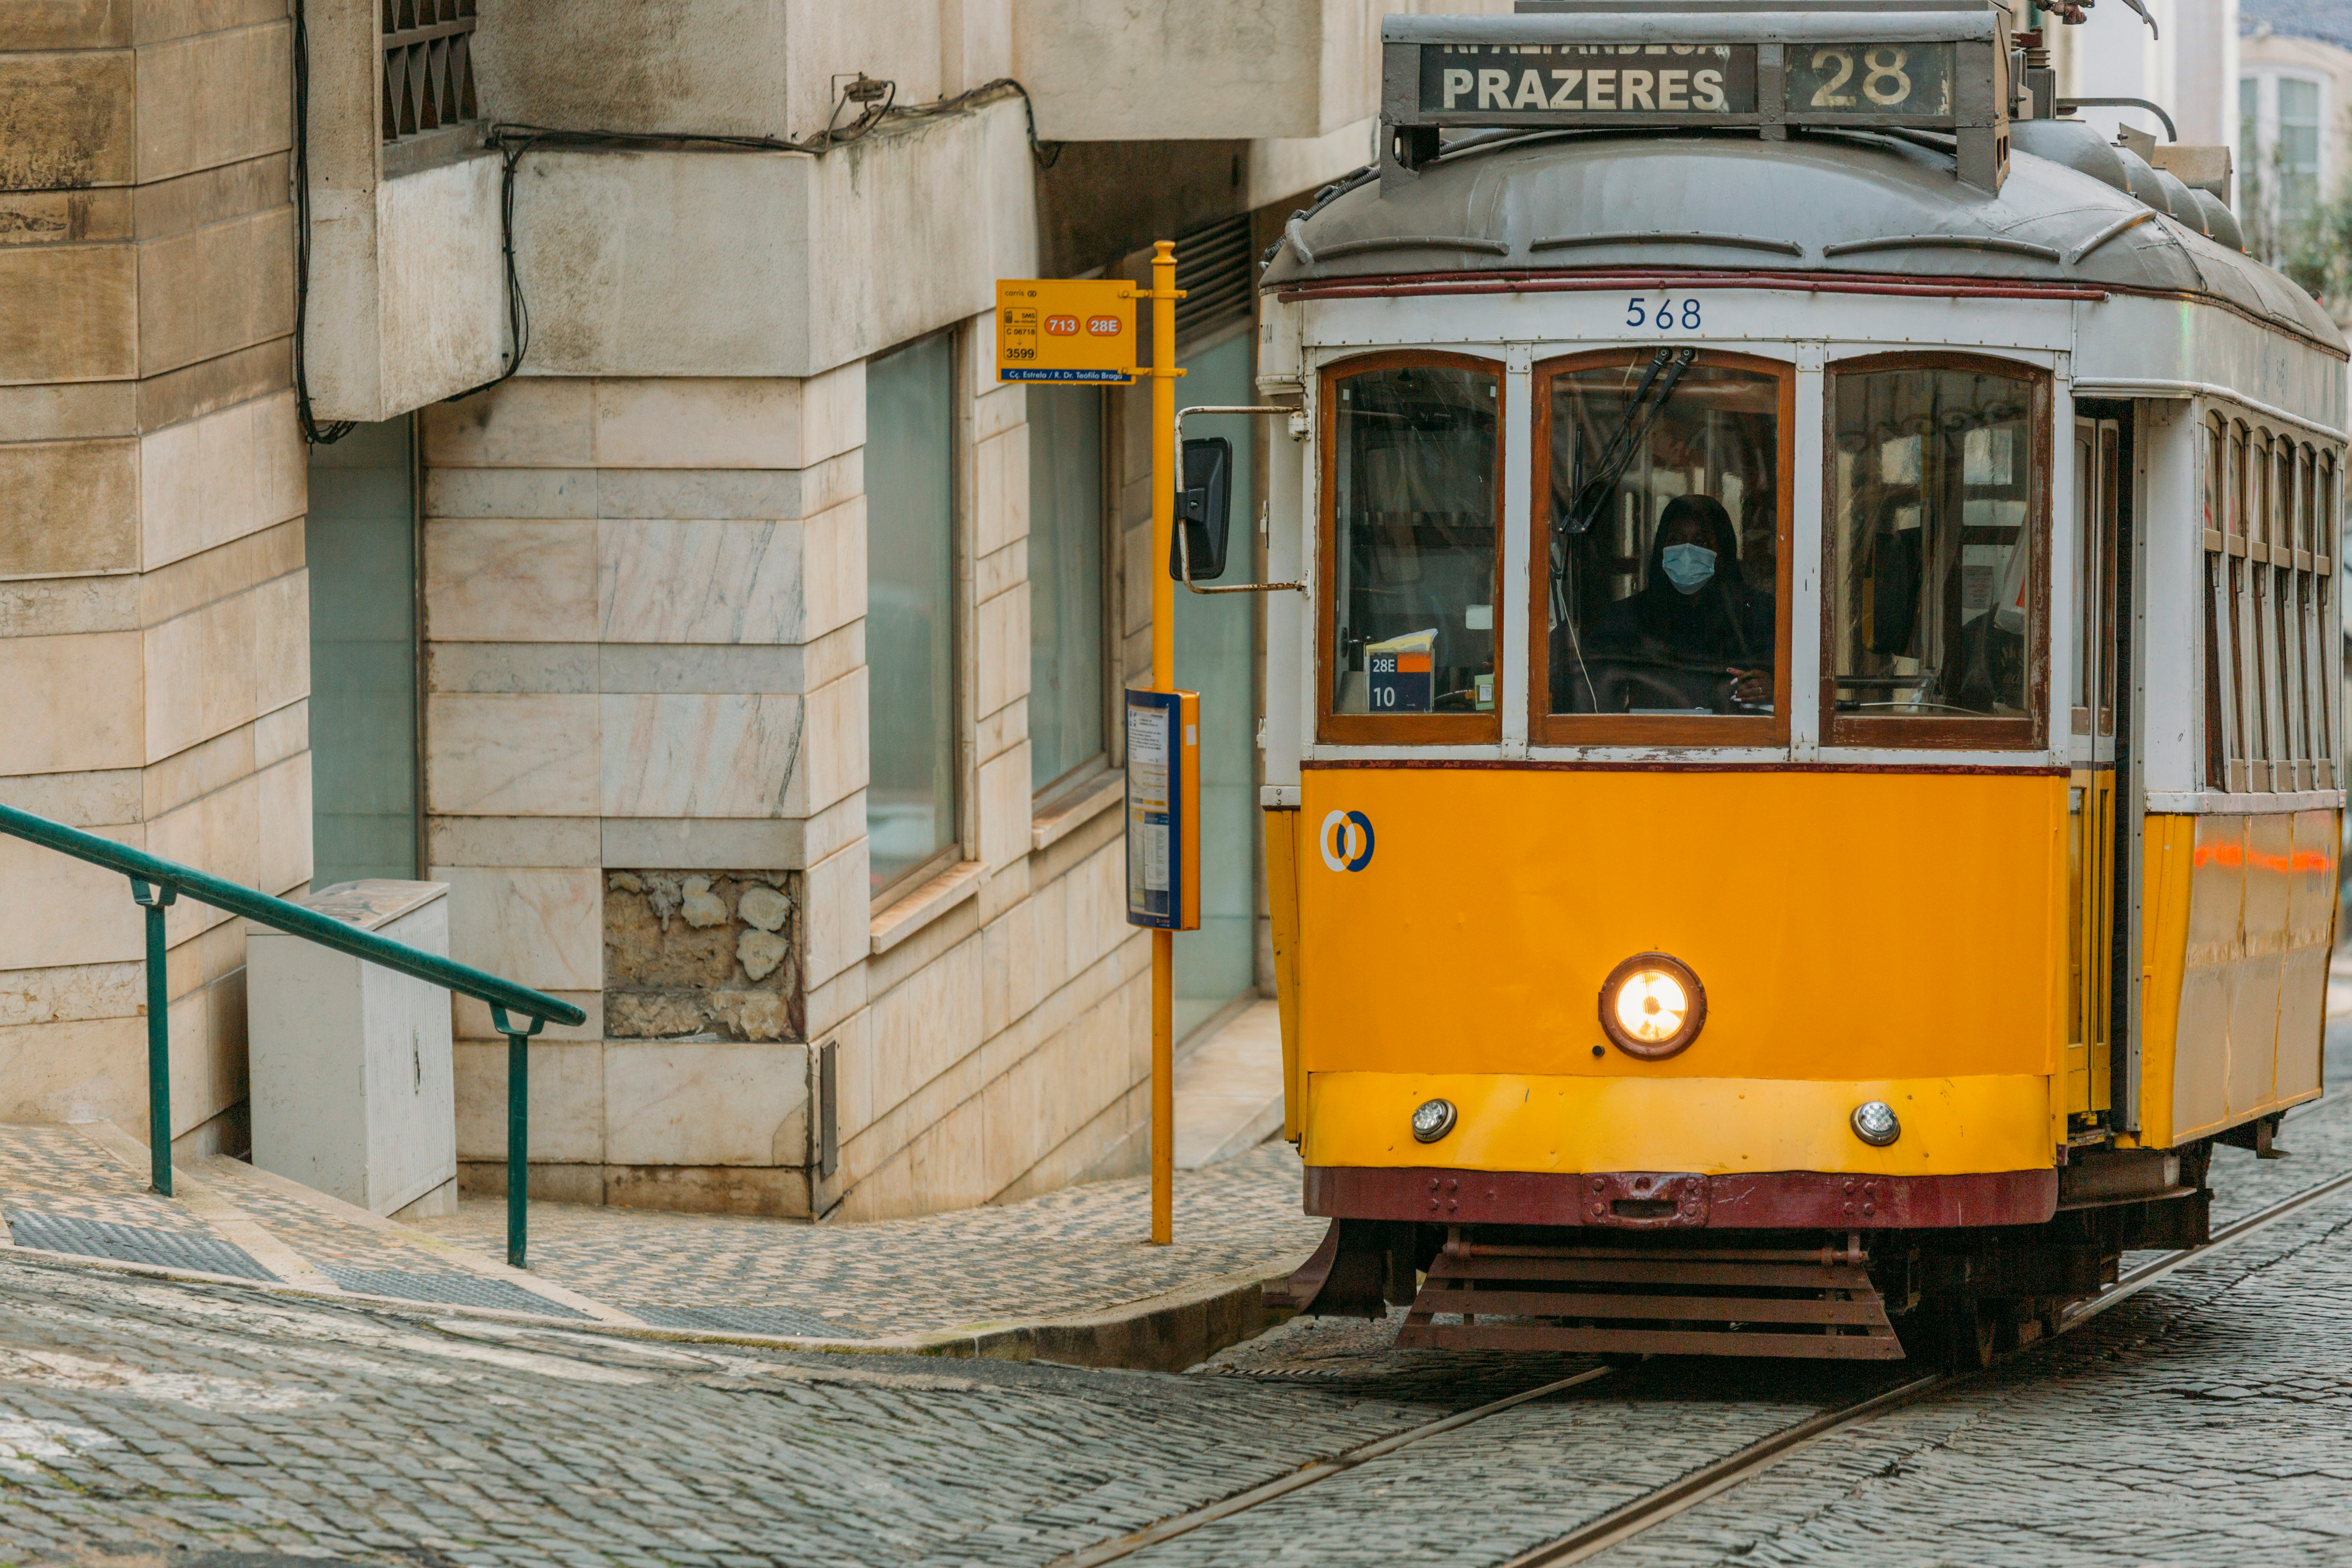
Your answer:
<point x="351" y="1085"/>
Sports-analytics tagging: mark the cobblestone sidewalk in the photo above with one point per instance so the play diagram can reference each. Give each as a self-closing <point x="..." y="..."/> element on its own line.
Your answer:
<point x="82" y="1190"/>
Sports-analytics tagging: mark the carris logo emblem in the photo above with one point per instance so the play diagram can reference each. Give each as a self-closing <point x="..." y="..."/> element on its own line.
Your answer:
<point x="1347" y="841"/>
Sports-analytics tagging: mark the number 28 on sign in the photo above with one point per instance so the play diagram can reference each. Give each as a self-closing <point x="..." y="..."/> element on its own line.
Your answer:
<point x="1062" y="330"/>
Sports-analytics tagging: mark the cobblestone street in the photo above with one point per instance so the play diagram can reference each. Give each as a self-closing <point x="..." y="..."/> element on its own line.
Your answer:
<point x="2203" y="1418"/>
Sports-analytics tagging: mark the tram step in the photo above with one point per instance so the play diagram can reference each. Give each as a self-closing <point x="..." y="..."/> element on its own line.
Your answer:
<point x="1650" y="1301"/>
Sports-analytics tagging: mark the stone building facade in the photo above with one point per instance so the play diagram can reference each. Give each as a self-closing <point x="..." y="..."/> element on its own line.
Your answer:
<point x="745" y="660"/>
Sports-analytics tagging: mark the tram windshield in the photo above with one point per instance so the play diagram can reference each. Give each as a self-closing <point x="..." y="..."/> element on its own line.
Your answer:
<point x="1413" y="508"/>
<point x="1935" y="497"/>
<point x="1665" y="499"/>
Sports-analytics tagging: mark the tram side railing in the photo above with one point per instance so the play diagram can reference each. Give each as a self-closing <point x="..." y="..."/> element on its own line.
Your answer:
<point x="157" y="883"/>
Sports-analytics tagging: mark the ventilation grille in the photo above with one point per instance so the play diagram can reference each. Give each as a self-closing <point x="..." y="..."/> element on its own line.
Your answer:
<point x="1213" y="267"/>
<point x="429" y="65"/>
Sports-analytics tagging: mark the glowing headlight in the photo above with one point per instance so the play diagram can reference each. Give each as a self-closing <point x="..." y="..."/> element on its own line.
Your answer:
<point x="1651" y="1006"/>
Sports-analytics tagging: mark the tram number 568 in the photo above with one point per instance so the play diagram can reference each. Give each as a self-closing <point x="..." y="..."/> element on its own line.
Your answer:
<point x="1666" y="316"/>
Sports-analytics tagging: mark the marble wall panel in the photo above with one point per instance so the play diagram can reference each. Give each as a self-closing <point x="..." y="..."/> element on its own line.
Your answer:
<point x="66" y="507"/>
<point x="511" y="840"/>
<point x="69" y="703"/>
<point x="510" y="492"/>
<point x="704" y="582"/>
<point x="487" y="581"/>
<point x="71" y="992"/>
<point x="62" y="910"/>
<point x="679" y="1104"/>
<point x="542" y="926"/>
<point x="698" y="755"/>
<point x="219" y="832"/>
<point x="532" y="421"/>
<point x="225" y="663"/>
<point x="1003" y="789"/>
<point x="698" y="421"/>
<point x="567" y="1100"/>
<point x="281" y="640"/>
<point x="215" y="290"/>
<point x="92" y="1070"/>
<point x="510" y="755"/>
<point x="217" y="478"/>
<point x="839" y="901"/>
<point x="282" y="854"/>
<point x="1000" y="491"/>
<point x="214" y="98"/>
<point x="1002" y="639"/>
<point x="832" y="569"/>
<point x="924" y="1024"/>
<point x="833" y="759"/>
<point x="73" y="314"/>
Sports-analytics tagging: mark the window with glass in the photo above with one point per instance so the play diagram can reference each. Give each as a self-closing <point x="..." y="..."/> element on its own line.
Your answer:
<point x="1935" y="620"/>
<point x="1661" y="543"/>
<point x="2298" y="149"/>
<point x="1066" y="586"/>
<point x="2225" y="742"/>
<point x="1413" y="510"/>
<point x="910" y="796"/>
<point x="2327" y="637"/>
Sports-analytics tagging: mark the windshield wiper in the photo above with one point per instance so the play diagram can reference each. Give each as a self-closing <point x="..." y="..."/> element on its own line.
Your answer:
<point x="1657" y="384"/>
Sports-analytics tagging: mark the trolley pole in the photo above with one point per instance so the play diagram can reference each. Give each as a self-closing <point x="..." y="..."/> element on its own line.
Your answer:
<point x="1163" y="677"/>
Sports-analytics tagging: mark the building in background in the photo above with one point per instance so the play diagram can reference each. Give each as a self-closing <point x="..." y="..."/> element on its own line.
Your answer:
<point x="677" y="585"/>
<point x="2294" y="137"/>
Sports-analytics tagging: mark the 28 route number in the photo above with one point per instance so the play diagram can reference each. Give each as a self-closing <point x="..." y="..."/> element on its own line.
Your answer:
<point x="1666" y="316"/>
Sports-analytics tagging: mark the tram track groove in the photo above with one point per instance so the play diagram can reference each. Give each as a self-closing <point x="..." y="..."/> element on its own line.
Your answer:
<point x="1708" y="1480"/>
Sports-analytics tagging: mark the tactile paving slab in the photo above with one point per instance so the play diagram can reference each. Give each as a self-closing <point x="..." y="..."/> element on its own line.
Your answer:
<point x="132" y="1244"/>
<point x="450" y="1289"/>
<point x="797" y="1320"/>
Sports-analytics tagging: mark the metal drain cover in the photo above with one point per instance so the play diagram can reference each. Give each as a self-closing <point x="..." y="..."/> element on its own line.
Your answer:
<point x="132" y="1244"/>
<point x="450" y="1289"/>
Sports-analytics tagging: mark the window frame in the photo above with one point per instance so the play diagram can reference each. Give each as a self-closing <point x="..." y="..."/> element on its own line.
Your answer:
<point x="959" y="618"/>
<point x="1888" y="732"/>
<point x="1397" y="729"/>
<point x="1089" y="774"/>
<point x="1546" y="728"/>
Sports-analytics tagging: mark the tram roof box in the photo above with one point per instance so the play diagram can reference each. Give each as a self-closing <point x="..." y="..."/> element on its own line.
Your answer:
<point x="1924" y="69"/>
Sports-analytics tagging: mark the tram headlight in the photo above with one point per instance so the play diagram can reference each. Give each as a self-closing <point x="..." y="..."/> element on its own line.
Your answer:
<point x="1875" y="1123"/>
<point x="1653" y="1006"/>
<point x="1432" y="1120"/>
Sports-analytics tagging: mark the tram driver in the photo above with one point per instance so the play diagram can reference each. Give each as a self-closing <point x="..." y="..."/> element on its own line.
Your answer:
<point x="1695" y="609"/>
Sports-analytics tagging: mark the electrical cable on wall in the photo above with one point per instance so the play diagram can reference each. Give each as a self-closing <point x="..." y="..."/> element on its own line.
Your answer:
<point x="876" y="101"/>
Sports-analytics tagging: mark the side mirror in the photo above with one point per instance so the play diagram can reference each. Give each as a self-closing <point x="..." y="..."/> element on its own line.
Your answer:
<point x="1204" y="500"/>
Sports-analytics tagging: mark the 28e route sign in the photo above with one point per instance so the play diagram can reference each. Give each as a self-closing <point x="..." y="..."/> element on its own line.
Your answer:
<point x="1053" y="329"/>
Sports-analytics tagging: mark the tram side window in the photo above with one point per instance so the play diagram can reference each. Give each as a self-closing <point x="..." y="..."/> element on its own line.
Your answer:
<point x="1665" y="524"/>
<point x="1414" y="510"/>
<point x="1938" y="513"/>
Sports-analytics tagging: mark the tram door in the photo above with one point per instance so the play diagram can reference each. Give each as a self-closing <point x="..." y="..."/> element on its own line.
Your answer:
<point x="2097" y="831"/>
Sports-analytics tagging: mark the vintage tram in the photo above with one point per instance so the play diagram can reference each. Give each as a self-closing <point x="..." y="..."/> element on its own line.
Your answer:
<point x="1802" y="794"/>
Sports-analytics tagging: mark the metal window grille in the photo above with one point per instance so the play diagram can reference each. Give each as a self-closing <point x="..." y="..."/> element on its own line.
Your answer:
<point x="1213" y="267"/>
<point x="428" y="65"/>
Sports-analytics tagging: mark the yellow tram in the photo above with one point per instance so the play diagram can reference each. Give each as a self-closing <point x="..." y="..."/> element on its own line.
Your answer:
<point x="1802" y="795"/>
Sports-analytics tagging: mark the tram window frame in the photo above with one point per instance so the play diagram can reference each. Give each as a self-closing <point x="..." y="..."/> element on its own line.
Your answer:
<point x="2224" y="737"/>
<point x="1472" y="728"/>
<point x="1546" y="728"/>
<point x="2028" y="732"/>
<point x="2326" y="637"/>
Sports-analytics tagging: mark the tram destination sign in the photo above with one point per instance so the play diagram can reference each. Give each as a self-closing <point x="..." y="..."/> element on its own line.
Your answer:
<point x="1639" y="83"/>
<point x="1698" y="64"/>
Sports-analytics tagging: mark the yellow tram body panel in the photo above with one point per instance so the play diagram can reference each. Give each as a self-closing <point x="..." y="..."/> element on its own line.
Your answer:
<point x="1860" y="934"/>
<point x="2239" y="917"/>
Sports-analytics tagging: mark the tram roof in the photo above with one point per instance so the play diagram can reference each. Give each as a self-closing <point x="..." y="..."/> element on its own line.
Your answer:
<point x="1558" y="202"/>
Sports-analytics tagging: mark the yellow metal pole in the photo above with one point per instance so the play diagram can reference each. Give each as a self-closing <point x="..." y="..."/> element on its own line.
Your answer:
<point x="1164" y="679"/>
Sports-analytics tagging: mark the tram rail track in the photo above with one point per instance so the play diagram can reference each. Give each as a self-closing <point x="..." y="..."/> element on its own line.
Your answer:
<point x="1708" y="1480"/>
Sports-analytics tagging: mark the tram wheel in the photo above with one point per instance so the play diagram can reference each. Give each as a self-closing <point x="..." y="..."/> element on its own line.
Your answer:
<point x="1958" y="1334"/>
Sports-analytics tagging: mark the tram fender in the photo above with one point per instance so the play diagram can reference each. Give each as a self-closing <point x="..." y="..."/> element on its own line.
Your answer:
<point x="1361" y="1267"/>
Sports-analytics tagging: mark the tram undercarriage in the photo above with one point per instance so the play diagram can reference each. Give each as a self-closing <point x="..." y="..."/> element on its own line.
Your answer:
<point x="1649" y="1270"/>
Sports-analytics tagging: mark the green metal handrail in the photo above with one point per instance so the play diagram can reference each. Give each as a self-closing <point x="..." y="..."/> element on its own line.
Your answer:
<point x="157" y="883"/>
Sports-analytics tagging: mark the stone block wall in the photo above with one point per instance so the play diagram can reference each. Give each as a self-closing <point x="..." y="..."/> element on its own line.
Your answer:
<point x="153" y="609"/>
<point x="645" y="758"/>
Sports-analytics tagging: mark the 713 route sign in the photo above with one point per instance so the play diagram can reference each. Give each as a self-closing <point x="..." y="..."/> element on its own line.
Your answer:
<point x="1051" y="329"/>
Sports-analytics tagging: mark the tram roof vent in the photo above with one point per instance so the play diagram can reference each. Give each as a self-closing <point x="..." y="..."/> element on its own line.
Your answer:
<point x="1932" y="71"/>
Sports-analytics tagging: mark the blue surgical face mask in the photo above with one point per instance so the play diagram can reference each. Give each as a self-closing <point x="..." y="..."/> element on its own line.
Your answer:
<point x="1689" y="566"/>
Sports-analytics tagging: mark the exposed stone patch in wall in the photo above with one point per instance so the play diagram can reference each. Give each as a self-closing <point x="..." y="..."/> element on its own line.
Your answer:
<point x="712" y="955"/>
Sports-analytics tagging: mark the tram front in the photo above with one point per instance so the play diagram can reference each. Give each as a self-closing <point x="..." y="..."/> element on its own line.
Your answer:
<point x="1671" y="845"/>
